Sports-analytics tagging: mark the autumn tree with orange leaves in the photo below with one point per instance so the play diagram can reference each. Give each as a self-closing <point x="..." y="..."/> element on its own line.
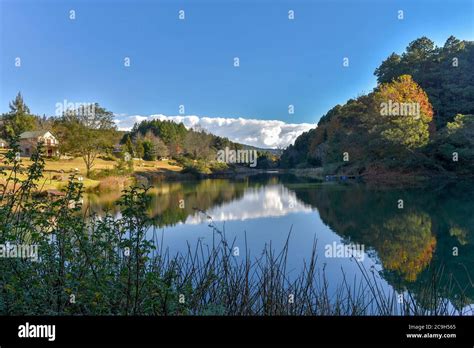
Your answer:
<point x="404" y="113"/>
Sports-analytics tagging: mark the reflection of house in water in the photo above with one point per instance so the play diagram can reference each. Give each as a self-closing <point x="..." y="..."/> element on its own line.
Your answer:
<point x="29" y="141"/>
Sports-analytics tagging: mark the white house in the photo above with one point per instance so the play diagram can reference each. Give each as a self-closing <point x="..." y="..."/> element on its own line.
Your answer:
<point x="30" y="140"/>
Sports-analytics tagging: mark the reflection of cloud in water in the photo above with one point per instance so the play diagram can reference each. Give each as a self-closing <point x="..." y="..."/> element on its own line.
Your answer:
<point x="268" y="201"/>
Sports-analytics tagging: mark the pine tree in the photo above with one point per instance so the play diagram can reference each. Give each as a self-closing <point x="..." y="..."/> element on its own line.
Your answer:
<point x="19" y="119"/>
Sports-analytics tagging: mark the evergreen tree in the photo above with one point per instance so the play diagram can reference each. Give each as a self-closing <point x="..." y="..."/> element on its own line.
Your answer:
<point x="19" y="119"/>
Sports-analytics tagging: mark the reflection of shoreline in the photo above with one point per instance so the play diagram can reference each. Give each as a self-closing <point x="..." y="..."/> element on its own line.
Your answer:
<point x="403" y="238"/>
<point x="409" y="243"/>
<point x="433" y="233"/>
<point x="268" y="201"/>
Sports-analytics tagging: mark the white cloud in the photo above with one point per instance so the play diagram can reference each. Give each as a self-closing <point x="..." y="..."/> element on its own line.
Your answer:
<point x="260" y="133"/>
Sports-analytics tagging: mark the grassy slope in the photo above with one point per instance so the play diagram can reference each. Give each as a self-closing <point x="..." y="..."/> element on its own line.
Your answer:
<point x="63" y="168"/>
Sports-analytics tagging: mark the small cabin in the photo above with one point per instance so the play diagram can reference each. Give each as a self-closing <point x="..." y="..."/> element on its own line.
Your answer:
<point x="3" y="144"/>
<point x="29" y="141"/>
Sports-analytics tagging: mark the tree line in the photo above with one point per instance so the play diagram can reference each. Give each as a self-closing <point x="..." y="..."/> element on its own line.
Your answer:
<point x="360" y="137"/>
<point x="86" y="134"/>
<point x="162" y="138"/>
<point x="81" y="133"/>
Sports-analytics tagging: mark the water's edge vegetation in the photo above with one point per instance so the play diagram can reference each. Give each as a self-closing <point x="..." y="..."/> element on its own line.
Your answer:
<point x="106" y="266"/>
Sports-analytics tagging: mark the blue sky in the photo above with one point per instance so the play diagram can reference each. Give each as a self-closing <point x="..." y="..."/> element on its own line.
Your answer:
<point x="190" y="62"/>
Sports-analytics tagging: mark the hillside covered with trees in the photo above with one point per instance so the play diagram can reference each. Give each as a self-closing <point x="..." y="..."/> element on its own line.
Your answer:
<point x="418" y="120"/>
<point x="195" y="148"/>
<point x="157" y="138"/>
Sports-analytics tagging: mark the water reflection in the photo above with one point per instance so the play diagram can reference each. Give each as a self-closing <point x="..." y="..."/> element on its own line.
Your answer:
<point x="256" y="203"/>
<point x="432" y="234"/>
<point x="431" y="238"/>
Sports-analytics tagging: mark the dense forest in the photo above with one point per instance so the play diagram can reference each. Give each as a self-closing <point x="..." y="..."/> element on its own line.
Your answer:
<point x="428" y="129"/>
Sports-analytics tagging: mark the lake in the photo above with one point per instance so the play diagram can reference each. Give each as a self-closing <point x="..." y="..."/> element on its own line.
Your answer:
<point x="407" y="238"/>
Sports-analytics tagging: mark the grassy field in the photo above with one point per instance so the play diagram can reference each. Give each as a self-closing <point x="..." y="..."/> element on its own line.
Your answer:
<point x="56" y="172"/>
<point x="70" y="165"/>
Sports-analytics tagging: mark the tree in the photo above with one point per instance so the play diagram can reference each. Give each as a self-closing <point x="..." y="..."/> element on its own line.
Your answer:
<point x="298" y="152"/>
<point x="407" y="123"/>
<point x="390" y="68"/>
<point x="153" y="146"/>
<point x="86" y="132"/>
<point x="360" y="129"/>
<point x="18" y="119"/>
<point x="129" y="146"/>
<point x="177" y="139"/>
<point x="149" y="153"/>
<point x="175" y="148"/>
<point x="445" y="73"/>
<point x="198" y="144"/>
<point x="139" y="149"/>
<point x="454" y="145"/>
<point x="169" y="131"/>
<point x="160" y="148"/>
<point x="420" y="49"/>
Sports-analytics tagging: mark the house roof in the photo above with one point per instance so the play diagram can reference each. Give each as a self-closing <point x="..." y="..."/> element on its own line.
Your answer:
<point x="35" y="134"/>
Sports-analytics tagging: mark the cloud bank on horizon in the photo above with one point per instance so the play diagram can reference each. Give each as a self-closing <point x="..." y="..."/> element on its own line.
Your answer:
<point x="259" y="133"/>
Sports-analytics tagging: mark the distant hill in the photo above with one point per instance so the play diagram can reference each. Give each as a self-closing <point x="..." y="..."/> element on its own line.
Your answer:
<point x="275" y="152"/>
<point x="359" y="138"/>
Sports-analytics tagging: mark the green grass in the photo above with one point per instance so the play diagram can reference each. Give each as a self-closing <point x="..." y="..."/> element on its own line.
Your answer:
<point x="57" y="171"/>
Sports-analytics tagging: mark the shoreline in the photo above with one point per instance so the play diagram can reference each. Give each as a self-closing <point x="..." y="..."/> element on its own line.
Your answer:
<point x="149" y="176"/>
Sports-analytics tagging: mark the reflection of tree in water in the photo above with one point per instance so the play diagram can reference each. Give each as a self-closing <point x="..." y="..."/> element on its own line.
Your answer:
<point x="451" y="209"/>
<point x="102" y="202"/>
<point x="176" y="205"/>
<point x="459" y="233"/>
<point x="408" y="244"/>
<point x="403" y="239"/>
<point x="415" y="244"/>
<point x="174" y="202"/>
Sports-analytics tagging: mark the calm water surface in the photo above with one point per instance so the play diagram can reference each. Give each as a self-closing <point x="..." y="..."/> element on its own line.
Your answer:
<point x="405" y="247"/>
